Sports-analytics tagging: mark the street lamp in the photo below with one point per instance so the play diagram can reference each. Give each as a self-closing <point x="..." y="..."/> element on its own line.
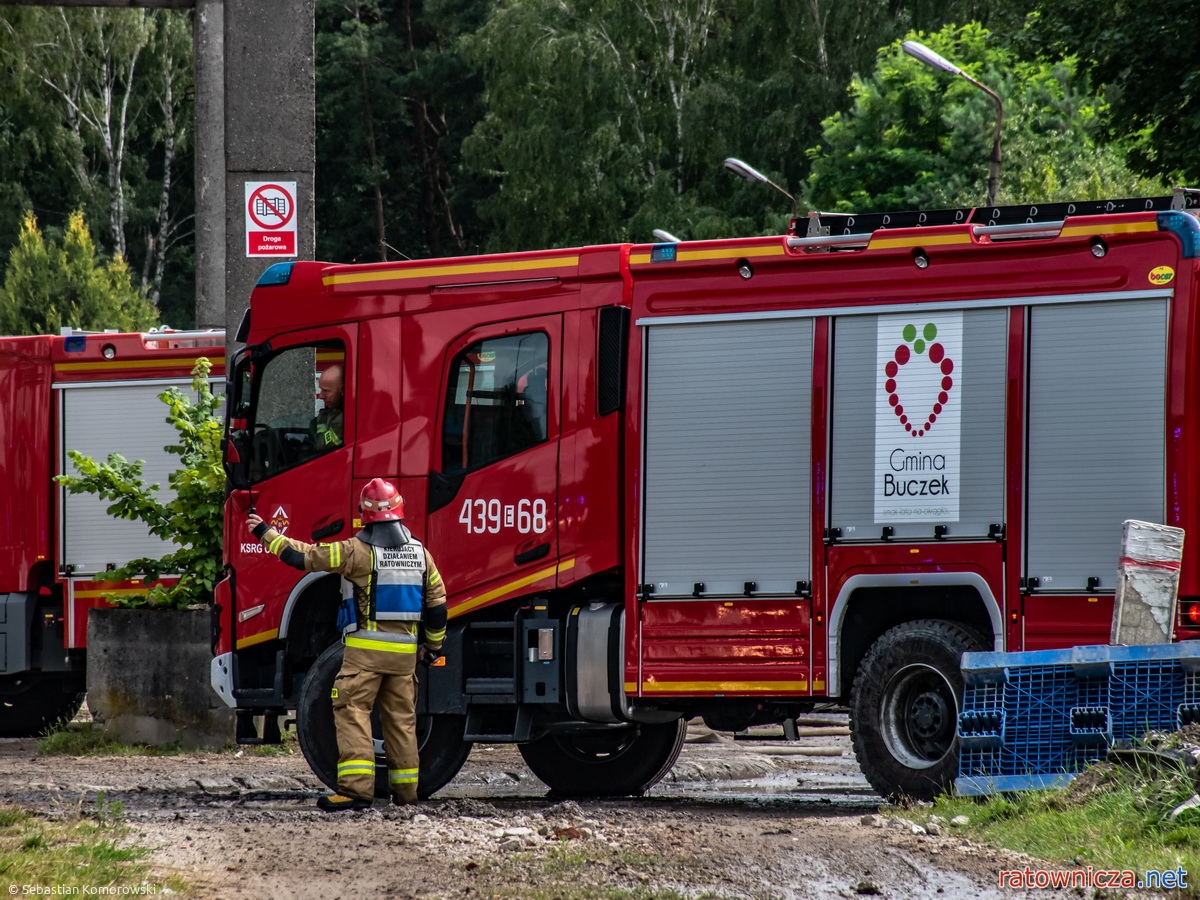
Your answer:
<point x="927" y="56"/>
<point x="741" y="170"/>
<point x="665" y="237"/>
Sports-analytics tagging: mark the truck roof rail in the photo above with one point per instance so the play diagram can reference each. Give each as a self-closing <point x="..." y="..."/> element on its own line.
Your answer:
<point x="1025" y="220"/>
<point x="187" y="335"/>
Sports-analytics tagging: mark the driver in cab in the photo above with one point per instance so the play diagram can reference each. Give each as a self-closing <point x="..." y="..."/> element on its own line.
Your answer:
<point x="326" y="430"/>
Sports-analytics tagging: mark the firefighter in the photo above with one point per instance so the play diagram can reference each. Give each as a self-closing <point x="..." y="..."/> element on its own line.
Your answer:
<point x="327" y="427"/>
<point x="394" y="586"/>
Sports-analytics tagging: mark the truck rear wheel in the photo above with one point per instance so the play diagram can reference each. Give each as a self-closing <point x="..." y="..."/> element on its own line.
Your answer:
<point x="439" y="738"/>
<point x="904" y="708"/>
<point x="31" y="702"/>
<point x="608" y="763"/>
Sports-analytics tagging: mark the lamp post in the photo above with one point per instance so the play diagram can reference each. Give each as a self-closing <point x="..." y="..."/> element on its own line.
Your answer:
<point x="664" y="237"/>
<point x="742" y="170"/>
<point x="927" y="56"/>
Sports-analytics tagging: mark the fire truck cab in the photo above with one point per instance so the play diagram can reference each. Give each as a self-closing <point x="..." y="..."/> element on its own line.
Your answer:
<point x="729" y="479"/>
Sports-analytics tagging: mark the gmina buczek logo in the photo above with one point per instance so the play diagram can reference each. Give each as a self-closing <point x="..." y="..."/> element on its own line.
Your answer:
<point x="912" y="351"/>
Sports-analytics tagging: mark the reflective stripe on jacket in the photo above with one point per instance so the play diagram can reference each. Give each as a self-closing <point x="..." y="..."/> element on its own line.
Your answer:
<point x="384" y="641"/>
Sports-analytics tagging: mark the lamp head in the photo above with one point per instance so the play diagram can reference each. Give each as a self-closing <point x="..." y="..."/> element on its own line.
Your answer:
<point x="927" y="56"/>
<point x="742" y="170"/>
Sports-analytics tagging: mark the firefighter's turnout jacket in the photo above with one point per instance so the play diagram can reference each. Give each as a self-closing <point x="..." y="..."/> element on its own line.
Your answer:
<point x="389" y="591"/>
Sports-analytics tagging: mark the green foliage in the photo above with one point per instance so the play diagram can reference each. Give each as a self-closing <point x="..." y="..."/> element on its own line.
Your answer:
<point x="918" y="137"/>
<point x="1144" y="55"/>
<point x="96" y="115"/>
<point x="48" y="286"/>
<point x="394" y="101"/>
<point x="1109" y="817"/>
<point x="192" y="519"/>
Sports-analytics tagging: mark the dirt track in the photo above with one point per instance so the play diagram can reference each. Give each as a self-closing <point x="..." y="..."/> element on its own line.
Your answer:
<point x="734" y="819"/>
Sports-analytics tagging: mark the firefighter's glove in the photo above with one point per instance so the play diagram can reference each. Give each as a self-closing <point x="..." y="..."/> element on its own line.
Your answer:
<point x="430" y="657"/>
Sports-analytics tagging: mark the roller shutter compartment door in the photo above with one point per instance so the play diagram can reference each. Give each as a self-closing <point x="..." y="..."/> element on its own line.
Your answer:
<point x="126" y="419"/>
<point x="1096" y="441"/>
<point x="727" y="456"/>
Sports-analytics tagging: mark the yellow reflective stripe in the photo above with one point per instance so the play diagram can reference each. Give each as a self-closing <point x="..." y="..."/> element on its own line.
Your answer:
<point x="435" y="635"/>
<point x="386" y="646"/>
<point x="276" y="544"/>
<point x="335" y="555"/>
<point x="356" y="765"/>
<point x="403" y="776"/>
<point x="435" y="578"/>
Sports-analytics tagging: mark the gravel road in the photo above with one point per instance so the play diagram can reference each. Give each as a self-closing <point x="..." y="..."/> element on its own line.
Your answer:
<point x="734" y="819"/>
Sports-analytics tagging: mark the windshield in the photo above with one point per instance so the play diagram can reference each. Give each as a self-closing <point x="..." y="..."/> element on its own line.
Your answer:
<point x="289" y="408"/>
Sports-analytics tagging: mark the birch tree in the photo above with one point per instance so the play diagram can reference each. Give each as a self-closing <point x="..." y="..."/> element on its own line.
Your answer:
<point x="119" y="84"/>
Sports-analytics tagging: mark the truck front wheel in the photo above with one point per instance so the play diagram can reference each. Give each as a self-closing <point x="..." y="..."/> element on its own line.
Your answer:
<point x="609" y="763"/>
<point x="904" y="708"/>
<point x="439" y="738"/>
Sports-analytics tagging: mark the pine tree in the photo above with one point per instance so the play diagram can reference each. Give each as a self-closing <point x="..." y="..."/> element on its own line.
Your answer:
<point x="47" y="286"/>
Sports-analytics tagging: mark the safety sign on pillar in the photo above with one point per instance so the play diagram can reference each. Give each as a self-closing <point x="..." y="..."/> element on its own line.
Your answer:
<point x="270" y="218"/>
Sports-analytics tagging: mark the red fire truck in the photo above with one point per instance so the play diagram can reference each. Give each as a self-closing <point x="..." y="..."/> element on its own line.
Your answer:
<point x="96" y="393"/>
<point x="730" y="479"/>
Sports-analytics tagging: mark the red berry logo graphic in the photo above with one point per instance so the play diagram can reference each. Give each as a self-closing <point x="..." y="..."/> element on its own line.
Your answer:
<point x="918" y="350"/>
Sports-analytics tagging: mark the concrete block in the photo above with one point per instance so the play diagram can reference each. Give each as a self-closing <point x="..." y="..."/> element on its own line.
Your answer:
<point x="1147" y="584"/>
<point x="148" y="678"/>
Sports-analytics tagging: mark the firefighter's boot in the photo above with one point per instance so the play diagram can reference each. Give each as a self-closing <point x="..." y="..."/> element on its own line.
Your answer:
<point x="339" y="802"/>
<point x="404" y="794"/>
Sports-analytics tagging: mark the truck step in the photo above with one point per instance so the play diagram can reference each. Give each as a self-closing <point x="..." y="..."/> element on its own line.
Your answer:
<point x="498" y="725"/>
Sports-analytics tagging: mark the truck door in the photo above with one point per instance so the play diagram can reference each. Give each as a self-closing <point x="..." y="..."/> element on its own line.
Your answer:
<point x="294" y="466"/>
<point x="492" y="524"/>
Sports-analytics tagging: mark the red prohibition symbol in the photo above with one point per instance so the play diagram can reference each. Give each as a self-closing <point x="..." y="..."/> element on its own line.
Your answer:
<point x="270" y="201"/>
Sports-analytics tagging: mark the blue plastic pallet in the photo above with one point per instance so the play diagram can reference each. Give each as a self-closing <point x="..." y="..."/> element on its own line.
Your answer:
<point x="1037" y="719"/>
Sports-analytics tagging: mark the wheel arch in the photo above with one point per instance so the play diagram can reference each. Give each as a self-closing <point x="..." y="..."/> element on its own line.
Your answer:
<point x="307" y="624"/>
<point x="868" y="605"/>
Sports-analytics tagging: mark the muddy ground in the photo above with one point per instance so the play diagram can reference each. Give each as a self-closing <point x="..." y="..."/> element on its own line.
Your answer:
<point x="734" y="819"/>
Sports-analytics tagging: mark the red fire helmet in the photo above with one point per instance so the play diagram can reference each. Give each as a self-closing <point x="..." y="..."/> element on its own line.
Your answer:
<point x="380" y="502"/>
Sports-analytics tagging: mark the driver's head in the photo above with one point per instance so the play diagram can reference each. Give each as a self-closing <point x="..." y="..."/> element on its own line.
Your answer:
<point x="330" y="384"/>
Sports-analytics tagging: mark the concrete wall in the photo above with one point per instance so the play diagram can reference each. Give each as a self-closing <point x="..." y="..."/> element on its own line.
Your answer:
<point x="148" y="677"/>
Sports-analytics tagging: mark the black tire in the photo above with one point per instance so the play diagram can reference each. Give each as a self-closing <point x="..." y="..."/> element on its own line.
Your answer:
<point x="32" y="702"/>
<point x="904" y="708"/>
<point x="439" y="738"/>
<point x="609" y="763"/>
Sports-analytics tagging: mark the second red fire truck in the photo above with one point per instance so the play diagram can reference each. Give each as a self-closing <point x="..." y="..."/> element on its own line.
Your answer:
<point x="729" y="479"/>
<point x="97" y="393"/>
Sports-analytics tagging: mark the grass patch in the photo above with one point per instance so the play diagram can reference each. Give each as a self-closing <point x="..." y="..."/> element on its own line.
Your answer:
<point x="81" y="852"/>
<point x="1110" y="817"/>
<point x="89" y="739"/>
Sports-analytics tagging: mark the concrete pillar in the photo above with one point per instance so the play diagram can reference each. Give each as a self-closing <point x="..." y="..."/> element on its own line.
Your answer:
<point x="208" y="36"/>
<point x="270" y="127"/>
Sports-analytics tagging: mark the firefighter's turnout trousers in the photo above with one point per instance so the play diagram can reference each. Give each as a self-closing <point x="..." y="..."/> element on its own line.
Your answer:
<point x="377" y="667"/>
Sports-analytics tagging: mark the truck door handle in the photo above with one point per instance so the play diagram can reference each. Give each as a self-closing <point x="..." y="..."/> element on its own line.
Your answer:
<point x="330" y="529"/>
<point x="531" y="554"/>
